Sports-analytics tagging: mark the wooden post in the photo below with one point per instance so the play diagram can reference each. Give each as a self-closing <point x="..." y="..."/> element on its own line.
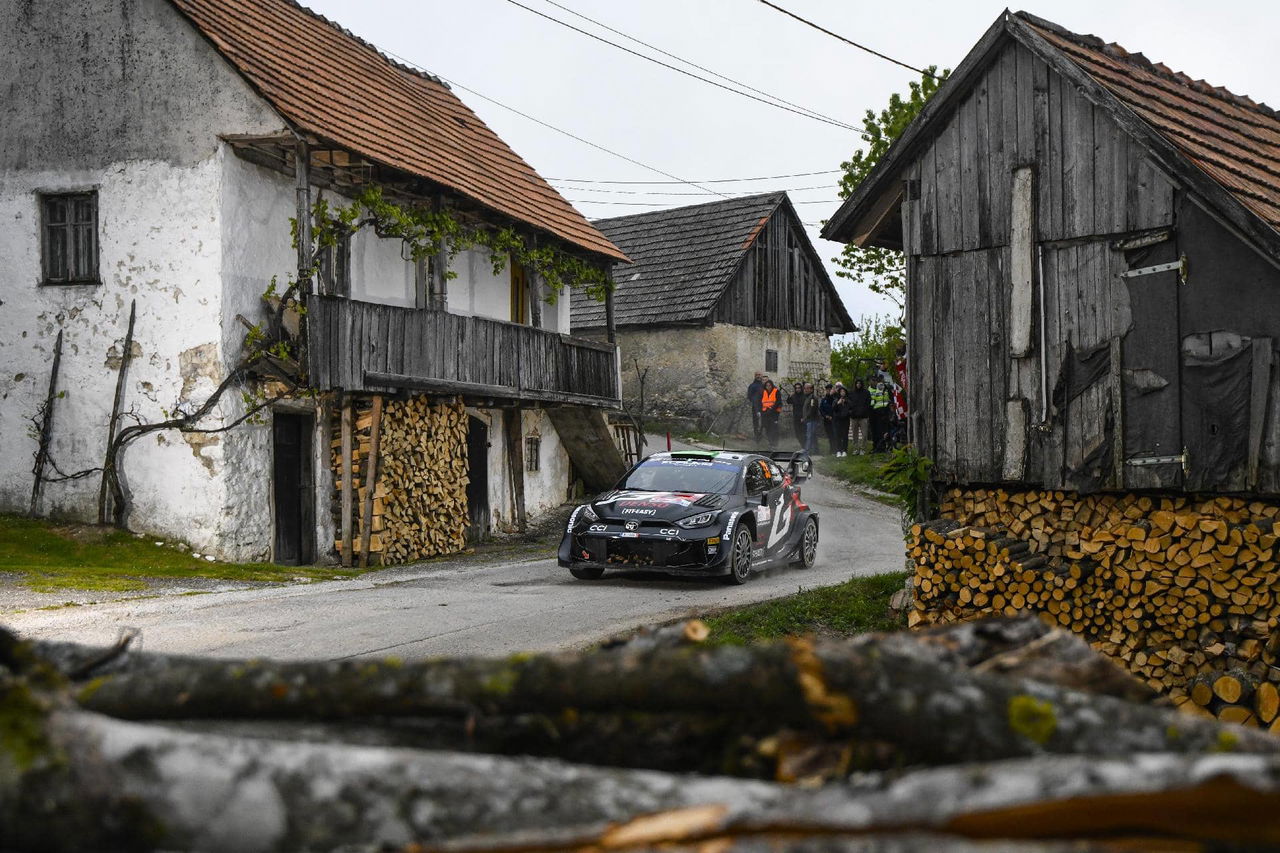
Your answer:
<point x="370" y="481"/>
<point x="533" y="284"/>
<point x="514" y="434"/>
<point x="608" y="307"/>
<point x="1116" y="389"/>
<point x="302" y="182"/>
<point x="46" y="426"/>
<point x="348" y="500"/>
<point x="1258" y="388"/>
<point x="118" y="401"/>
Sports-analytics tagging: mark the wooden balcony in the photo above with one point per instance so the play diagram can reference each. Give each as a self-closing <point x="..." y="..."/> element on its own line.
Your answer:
<point x="362" y="346"/>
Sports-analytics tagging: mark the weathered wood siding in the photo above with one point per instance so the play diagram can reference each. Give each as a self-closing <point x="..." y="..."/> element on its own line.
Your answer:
<point x="1101" y="383"/>
<point x="360" y="346"/>
<point x="778" y="285"/>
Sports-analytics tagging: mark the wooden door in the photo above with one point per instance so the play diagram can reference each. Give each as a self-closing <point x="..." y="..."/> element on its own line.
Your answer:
<point x="477" y="478"/>
<point x="292" y="487"/>
<point x="1151" y="377"/>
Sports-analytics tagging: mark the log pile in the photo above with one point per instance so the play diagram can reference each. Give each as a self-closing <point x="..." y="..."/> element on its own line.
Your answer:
<point x="419" y="507"/>
<point x="1001" y="729"/>
<point x="1181" y="592"/>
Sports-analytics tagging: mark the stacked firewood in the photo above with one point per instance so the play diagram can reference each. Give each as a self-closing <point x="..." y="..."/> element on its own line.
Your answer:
<point x="1183" y="598"/>
<point x="419" y="506"/>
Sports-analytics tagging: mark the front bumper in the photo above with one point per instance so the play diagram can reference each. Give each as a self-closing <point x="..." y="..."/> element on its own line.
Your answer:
<point x="689" y="555"/>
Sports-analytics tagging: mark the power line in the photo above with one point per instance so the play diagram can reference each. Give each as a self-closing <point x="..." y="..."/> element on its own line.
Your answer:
<point x="692" y="64"/>
<point x="668" y="204"/>
<point x="674" y="178"/>
<point x="673" y="192"/>
<point x="849" y="42"/>
<point x="803" y="111"/>
<point x="707" y="181"/>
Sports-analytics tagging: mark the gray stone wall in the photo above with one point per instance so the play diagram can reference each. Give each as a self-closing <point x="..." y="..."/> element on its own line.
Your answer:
<point x="700" y="374"/>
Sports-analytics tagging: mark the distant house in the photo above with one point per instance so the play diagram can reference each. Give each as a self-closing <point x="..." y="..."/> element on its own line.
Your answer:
<point x="159" y="155"/>
<point x="1092" y="245"/>
<point x="715" y="293"/>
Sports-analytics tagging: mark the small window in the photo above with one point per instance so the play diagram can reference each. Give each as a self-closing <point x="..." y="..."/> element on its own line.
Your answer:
<point x="771" y="361"/>
<point x="532" y="446"/>
<point x="69" y="237"/>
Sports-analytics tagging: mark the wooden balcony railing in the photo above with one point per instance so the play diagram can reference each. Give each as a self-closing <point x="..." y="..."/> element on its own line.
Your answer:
<point x="361" y="346"/>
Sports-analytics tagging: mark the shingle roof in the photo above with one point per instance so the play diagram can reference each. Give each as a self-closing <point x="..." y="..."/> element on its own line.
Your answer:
<point x="682" y="260"/>
<point x="1232" y="138"/>
<point x="328" y="82"/>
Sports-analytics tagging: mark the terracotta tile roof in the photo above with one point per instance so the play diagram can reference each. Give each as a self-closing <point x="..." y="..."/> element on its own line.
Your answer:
<point x="1233" y="139"/>
<point x="328" y="82"/>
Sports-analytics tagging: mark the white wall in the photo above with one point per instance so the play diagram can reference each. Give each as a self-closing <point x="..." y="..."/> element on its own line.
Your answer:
<point x="477" y="290"/>
<point x="545" y="489"/>
<point x="378" y="271"/>
<point x="159" y="243"/>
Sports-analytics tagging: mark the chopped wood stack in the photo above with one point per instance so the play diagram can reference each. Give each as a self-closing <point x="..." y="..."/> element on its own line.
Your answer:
<point x="420" y="500"/>
<point x="1183" y="593"/>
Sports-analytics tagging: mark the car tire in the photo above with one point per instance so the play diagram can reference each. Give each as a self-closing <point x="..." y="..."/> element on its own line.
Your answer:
<point x="586" y="573"/>
<point x="807" y="550"/>
<point x="740" y="557"/>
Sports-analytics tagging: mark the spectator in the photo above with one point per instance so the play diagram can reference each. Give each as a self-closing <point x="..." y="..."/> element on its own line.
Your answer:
<point x="881" y="396"/>
<point x="827" y="404"/>
<point x="796" y="400"/>
<point x="770" y="411"/>
<point x="860" y="417"/>
<point x="840" y="410"/>
<point x="811" y="416"/>
<point x="753" y="404"/>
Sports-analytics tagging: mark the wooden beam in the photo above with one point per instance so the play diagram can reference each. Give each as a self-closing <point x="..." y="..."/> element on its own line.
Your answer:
<point x="370" y="481"/>
<point x="1116" y="390"/>
<point x="1022" y="262"/>
<point x="484" y="392"/>
<point x="867" y="227"/>
<point x="514" y="434"/>
<point x="302" y="186"/>
<point x="104" y="494"/>
<point x="1259" y="386"/>
<point x="347" y="499"/>
<point x="611" y="329"/>
<point x="46" y="425"/>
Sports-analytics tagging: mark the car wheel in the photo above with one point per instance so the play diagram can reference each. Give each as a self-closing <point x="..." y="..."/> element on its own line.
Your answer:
<point x="740" y="557"/>
<point x="586" y="573"/>
<point x="808" y="550"/>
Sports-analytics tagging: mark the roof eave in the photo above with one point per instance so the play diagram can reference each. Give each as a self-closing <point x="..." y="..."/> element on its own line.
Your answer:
<point x="1166" y="155"/>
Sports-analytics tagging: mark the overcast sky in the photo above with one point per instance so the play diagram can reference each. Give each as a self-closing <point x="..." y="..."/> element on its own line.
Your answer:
<point x="698" y="133"/>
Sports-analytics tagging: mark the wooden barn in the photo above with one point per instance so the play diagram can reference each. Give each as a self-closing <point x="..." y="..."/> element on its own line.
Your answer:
<point x="715" y="293"/>
<point x="1093" y="258"/>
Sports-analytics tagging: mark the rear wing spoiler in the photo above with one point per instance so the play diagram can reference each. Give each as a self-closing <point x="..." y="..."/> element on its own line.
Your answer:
<point x="796" y="463"/>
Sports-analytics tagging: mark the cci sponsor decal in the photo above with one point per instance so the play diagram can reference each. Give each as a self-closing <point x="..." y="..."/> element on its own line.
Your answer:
<point x="669" y="531"/>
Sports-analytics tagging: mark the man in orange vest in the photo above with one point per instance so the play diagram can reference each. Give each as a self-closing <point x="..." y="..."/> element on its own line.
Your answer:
<point x="770" y="410"/>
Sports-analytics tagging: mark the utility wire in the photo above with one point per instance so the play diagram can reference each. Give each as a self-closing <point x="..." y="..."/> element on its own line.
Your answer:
<point x="849" y="42"/>
<point x="674" y="178"/>
<point x="773" y="103"/>
<point x="669" y="204"/>
<point x="674" y="192"/>
<point x="692" y="64"/>
<point x="708" y="181"/>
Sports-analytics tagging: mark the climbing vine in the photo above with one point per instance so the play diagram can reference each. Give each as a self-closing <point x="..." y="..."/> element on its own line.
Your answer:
<point x="429" y="231"/>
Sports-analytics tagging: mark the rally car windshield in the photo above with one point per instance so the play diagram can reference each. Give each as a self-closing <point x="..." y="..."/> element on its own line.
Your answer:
<point x="684" y="475"/>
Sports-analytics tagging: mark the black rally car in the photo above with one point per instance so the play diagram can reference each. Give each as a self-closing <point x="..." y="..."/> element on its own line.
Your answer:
<point x="697" y="513"/>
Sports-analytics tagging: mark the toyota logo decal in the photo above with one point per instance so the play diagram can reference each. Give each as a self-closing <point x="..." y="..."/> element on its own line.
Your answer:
<point x="632" y="525"/>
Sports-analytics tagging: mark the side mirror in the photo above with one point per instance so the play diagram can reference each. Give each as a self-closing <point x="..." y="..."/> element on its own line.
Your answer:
<point x="801" y="469"/>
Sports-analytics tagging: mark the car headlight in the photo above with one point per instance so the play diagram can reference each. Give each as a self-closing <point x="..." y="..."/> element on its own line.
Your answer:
<point x="588" y="513"/>
<point x="700" y="520"/>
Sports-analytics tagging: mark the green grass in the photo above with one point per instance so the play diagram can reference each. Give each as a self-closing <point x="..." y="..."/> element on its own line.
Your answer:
<point x="853" y="607"/>
<point x="862" y="471"/>
<point x="52" y="557"/>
